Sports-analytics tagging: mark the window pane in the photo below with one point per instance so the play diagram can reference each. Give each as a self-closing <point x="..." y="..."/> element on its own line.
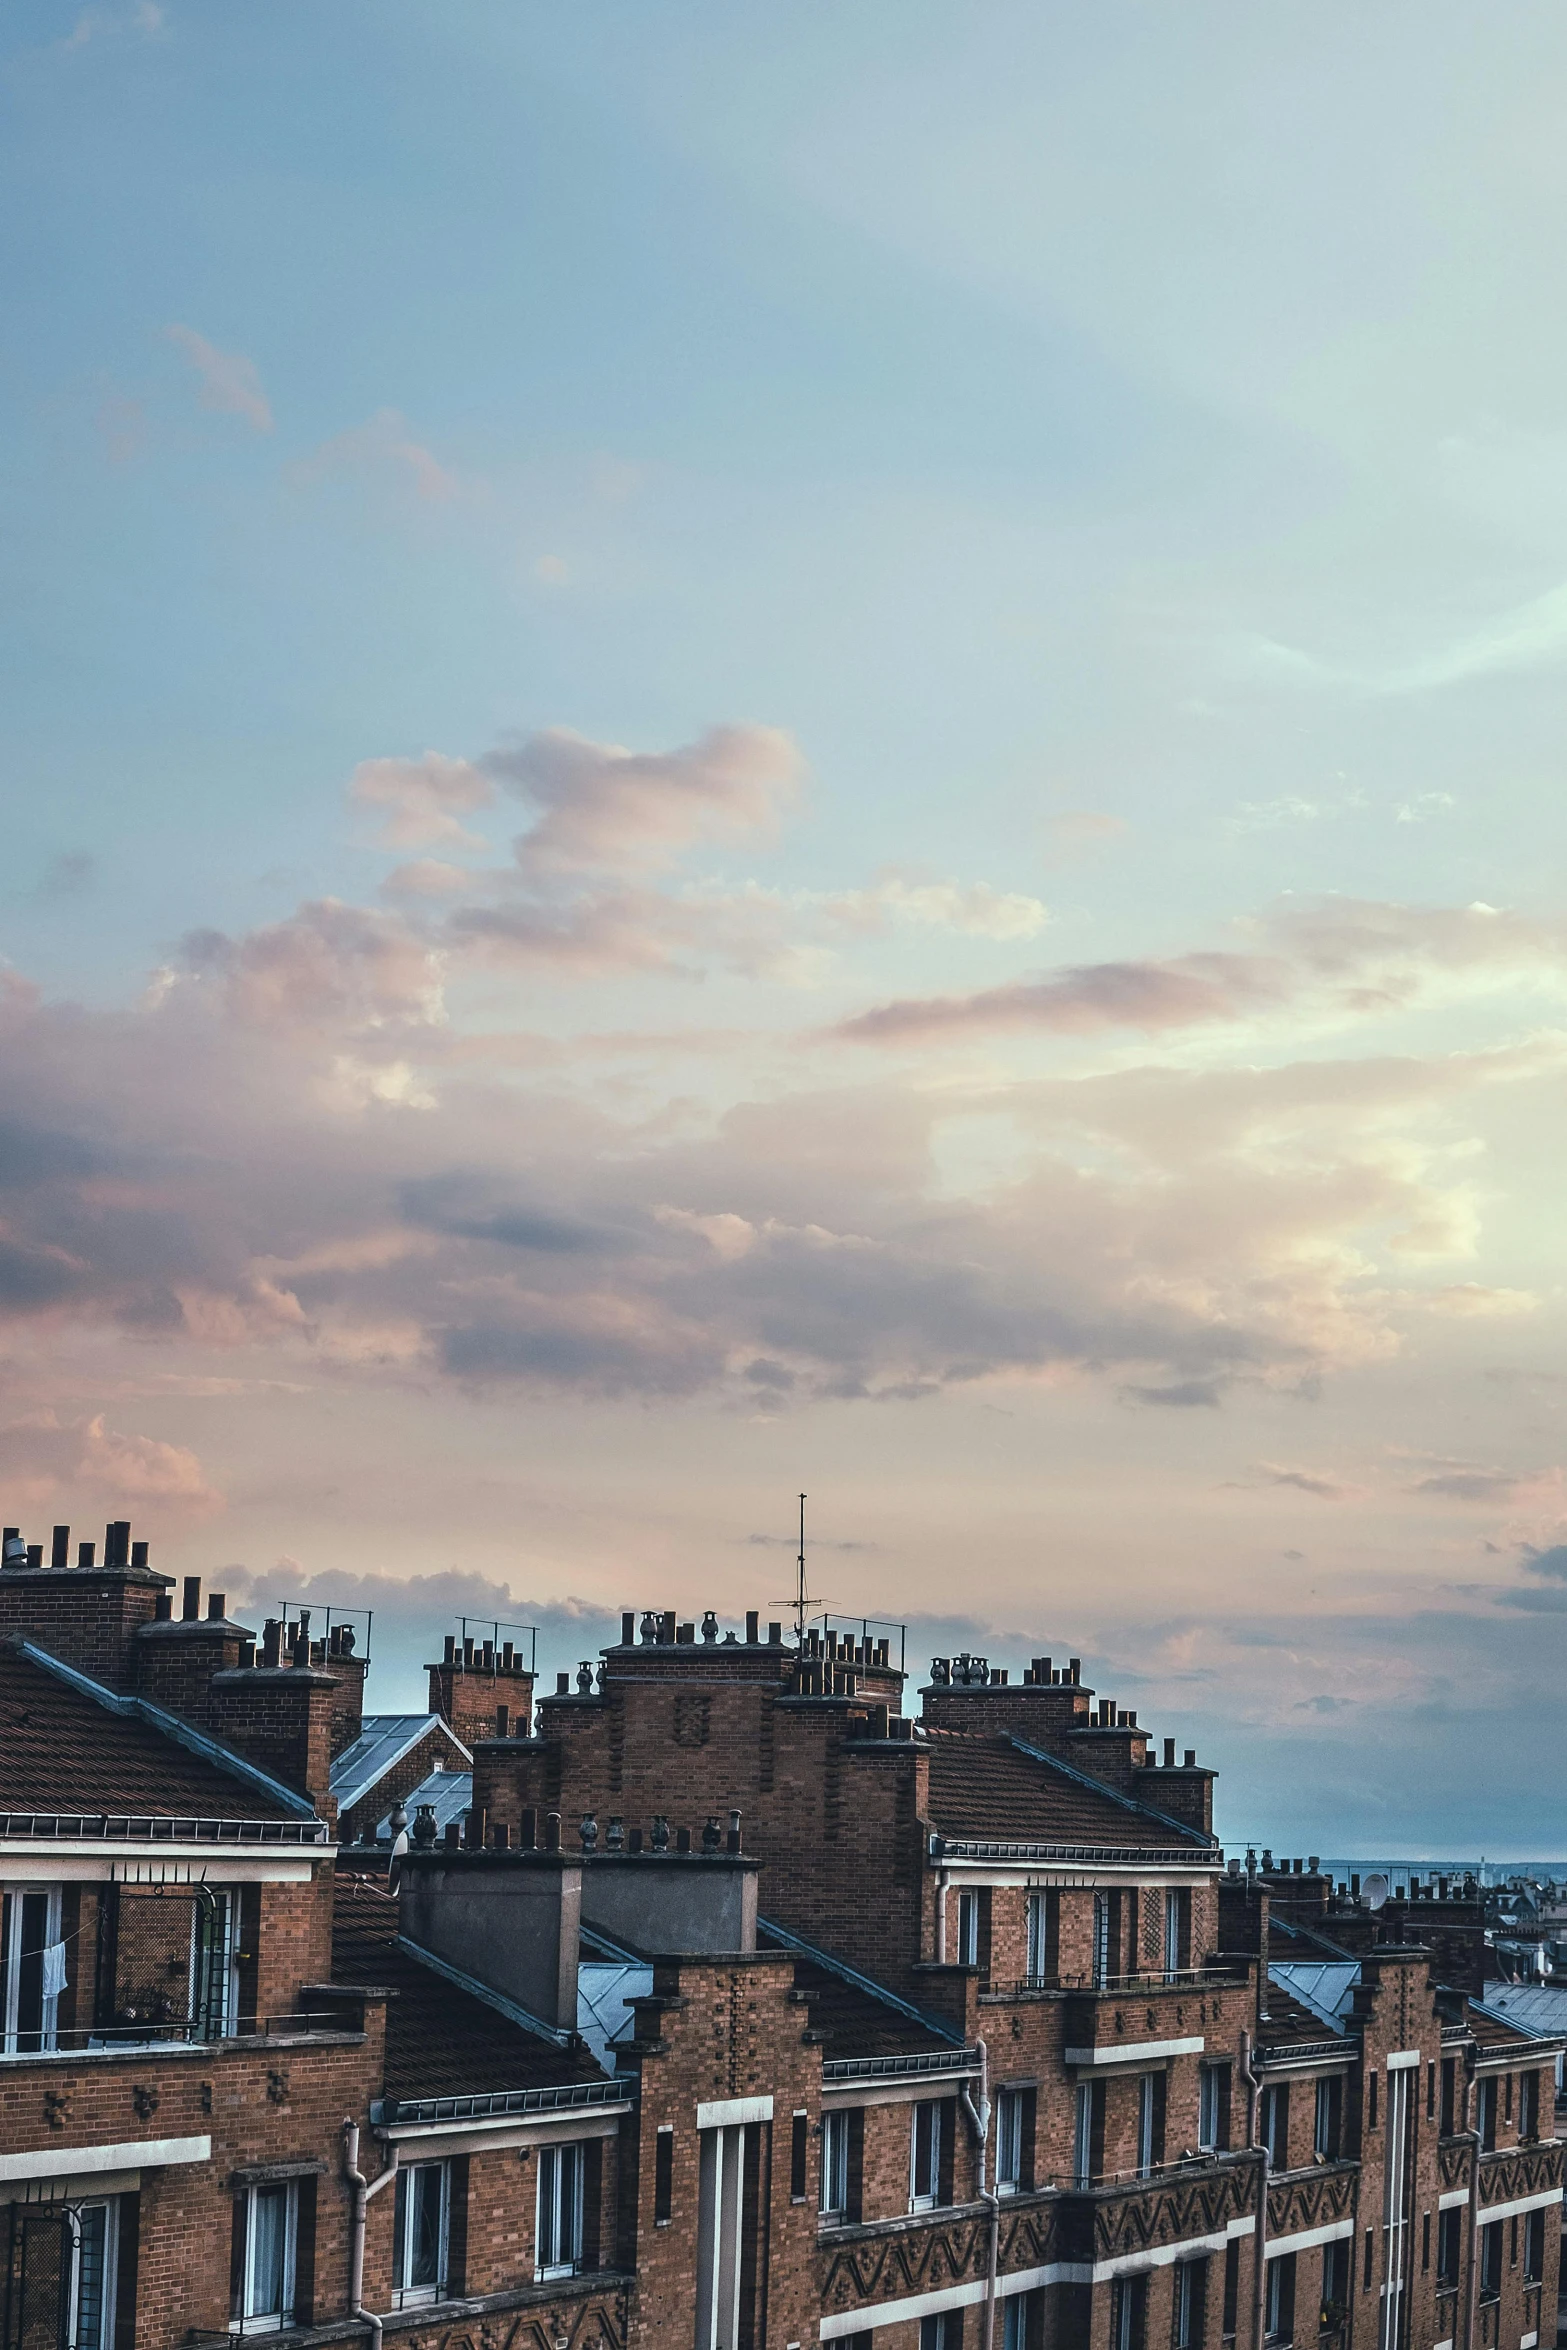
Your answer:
<point x="424" y="2234"/>
<point x="92" y="2277"/>
<point x="268" y="2251"/>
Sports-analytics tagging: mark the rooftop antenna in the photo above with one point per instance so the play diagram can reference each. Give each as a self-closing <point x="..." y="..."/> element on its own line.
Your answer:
<point x="802" y="1601"/>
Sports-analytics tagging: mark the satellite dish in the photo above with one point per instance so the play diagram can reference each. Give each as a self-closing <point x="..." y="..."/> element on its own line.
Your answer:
<point x="1375" y="1890"/>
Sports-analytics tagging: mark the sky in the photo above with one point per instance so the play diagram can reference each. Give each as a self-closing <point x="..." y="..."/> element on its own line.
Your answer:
<point x="753" y="750"/>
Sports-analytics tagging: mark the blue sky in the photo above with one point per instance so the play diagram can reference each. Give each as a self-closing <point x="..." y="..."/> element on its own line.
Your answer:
<point x="746" y="748"/>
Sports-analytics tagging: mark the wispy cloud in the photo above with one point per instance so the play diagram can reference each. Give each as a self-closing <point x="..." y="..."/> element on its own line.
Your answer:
<point x="229" y="381"/>
<point x="385" y="449"/>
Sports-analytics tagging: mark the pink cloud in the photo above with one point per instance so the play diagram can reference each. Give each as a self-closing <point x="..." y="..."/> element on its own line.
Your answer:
<point x="605" y="809"/>
<point x="229" y="381"/>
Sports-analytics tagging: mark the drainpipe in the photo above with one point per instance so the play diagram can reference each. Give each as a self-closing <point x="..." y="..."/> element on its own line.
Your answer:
<point x="941" y="1919"/>
<point x="363" y="2190"/>
<point x="1260" y="2239"/>
<point x="979" y="2121"/>
<point x="1471" y="2298"/>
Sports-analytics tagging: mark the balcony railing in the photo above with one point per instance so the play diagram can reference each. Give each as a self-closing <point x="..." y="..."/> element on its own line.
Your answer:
<point x="1112" y="1856"/>
<point x="157" y="1828"/>
<point x="1194" y="1978"/>
<point x="179" y="2032"/>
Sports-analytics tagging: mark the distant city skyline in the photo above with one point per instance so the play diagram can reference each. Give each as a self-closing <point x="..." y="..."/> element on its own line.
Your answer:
<point x="807" y="749"/>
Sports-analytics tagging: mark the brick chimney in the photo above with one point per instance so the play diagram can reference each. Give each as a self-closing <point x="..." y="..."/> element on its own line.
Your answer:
<point x="510" y="1919"/>
<point x="473" y="1680"/>
<point x="279" y="1712"/>
<point x="174" y="1659"/>
<point x="88" y="1615"/>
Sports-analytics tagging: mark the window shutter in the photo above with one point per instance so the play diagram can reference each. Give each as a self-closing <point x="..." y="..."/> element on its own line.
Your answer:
<point x="457" y="2228"/>
<point x="305" y="2253"/>
<point x="125" y="2273"/>
<point x="592" y="2198"/>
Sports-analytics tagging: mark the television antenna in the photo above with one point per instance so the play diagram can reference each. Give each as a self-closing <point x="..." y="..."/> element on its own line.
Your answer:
<point x="802" y="1601"/>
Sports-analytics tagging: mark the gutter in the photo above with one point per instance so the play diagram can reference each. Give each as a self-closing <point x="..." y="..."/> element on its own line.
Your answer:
<point x="979" y="2122"/>
<point x="1260" y="2238"/>
<point x="363" y="2190"/>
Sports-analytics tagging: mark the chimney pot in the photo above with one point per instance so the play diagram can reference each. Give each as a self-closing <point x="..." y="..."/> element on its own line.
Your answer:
<point x="712" y="1834"/>
<point x="660" y="1833"/>
<point x="35" y="1554"/>
<point x="86" y="1552"/>
<point x="563" y="1684"/>
<point x="682" y="1839"/>
<point x="139" y="1553"/>
<point x="163" y="1607"/>
<point x="1313" y="1863"/>
<point x="628" y="1628"/>
<point x="450" y="1657"/>
<point x="487" y="1656"/>
<point x="59" y="1549"/>
<point x="710" y="1626"/>
<point x="500" y="1836"/>
<point x="217" y="1606"/>
<point x="1074" y="1665"/>
<point x="734" y="1831"/>
<point x="686" y="1635"/>
<point x="453" y="1836"/>
<point x="775" y="1635"/>
<point x="508" y="1655"/>
<point x="615" y="1834"/>
<point x="752" y="1625"/>
<point x="552" y="1831"/>
<point x="648" y="1629"/>
<point x="634" y="1840"/>
<point x="1191" y="1758"/>
<point x="467" y="1654"/>
<point x="588" y="1830"/>
<point x="528" y="1831"/>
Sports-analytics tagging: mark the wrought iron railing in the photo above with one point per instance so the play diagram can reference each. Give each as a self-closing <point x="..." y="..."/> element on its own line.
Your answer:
<point x="158" y="1828"/>
<point x="567" y="2097"/>
<point x="916" y="2064"/>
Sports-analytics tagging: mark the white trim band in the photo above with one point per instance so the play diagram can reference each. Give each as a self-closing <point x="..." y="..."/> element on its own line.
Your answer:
<point x="1136" y="2051"/>
<point x="730" y="2113"/>
<point x="55" y="2162"/>
<point x="1401" y="2059"/>
<point x="1491" y="2211"/>
<point x="1450" y="2202"/>
<point x="1304" y="2239"/>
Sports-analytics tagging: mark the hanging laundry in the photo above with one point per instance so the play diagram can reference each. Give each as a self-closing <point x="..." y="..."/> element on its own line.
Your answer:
<point x="54" y="1969"/>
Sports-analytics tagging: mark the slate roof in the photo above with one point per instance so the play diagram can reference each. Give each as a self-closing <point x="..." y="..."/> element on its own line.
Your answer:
<point x="1539" y="2009"/>
<point x="383" y="1740"/>
<point x="1495" y="2031"/>
<point x="441" y="2041"/>
<point x="67" y="1744"/>
<point x="449" y="1795"/>
<point x="1290" y="2023"/>
<point x="856" y="2016"/>
<point x="999" y="1789"/>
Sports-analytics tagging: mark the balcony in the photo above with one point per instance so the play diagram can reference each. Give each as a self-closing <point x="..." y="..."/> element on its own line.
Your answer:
<point x="1178" y="2203"/>
<point x="1316" y="2197"/>
<point x="1515" y="2171"/>
<point x="1145" y="2015"/>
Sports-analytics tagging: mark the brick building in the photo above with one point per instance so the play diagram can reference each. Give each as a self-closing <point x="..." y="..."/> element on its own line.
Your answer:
<point x="734" y="2006"/>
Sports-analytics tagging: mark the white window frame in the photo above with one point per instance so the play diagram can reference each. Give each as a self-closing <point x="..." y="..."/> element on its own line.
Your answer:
<point x="1273" y="2301"/>
<point x="49" y="2025"/>
<point x="1038" y="1920"/>
<point x="1145" y="2114"/>
<point x="110" y="2207"/>
<point x="1102" y="1952"/>
<point x="1014" y="2324"/>
<point x="1175" y="1911"/>
<point x="1208" y="2109"/>
<point x="925" y="2198"/>
<point x="1009" y="2140"/>
<point x="835" y="2164"/>
<point x="416" y="2296"/>
<point x="223" y="1897"/>
<point x="968" y="1929"/>
<point x="1323" y="2119"/>
<point x="560" y="2195"/>
<point x="269" y="2321"/>
<point x="1183" y="2296"/>
<point x="1083" y="2136"/>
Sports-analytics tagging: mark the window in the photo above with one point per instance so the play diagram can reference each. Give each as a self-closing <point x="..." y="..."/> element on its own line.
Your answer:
<point x="1533" y="2247"/>
<point x="1044" y="1937"/>
<point x="1449" y="2116"/>
<point x="1014" y="2140"/>
<point x="925" y="2156"/>
<point x="1528" y="2105"/>
<point x="558" y="2241"/>
<point x="93" y="2261"/>
<point x="1088" y="2133"/>
<point x="1232" y="2289"/>
<point x="1279" y="2299"/>
<point x="968" y="1929"/>
<point x="835" y="2165"/>
<point x="942" y="2332"/>
<point x="1275" y="2124"/>
<point x="1191" y="2277"/>
<point x="1022" y="2322"/>
<point x="1449" y="2242"/>
<point x="1335" y="2284"/>
<point x="420" y="2231"/>
<point x="799" y="2142"/>
<point x="1328" y="2134"/>
<point x="30" y="1929"/>
<point x="1105" y="1953"/>
<point x="664" y="2176"/>
<point x="1491" y="2261"/>
<point x="728" y="2159"/>
<point x="1177" y="1930"/>
<point x="1485" y="2112"/>
<point x="1213" y="2108"/>
<point x="1150" y="2123"/>
<point x="1128" y="2312"/>
<point x="266" y="2256"/>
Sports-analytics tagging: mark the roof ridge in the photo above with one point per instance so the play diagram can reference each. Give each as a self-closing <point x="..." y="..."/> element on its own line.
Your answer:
<point x="521" y="2016"/>
<point x="1147" y="1811"/>
<point x="169" y="1725"/>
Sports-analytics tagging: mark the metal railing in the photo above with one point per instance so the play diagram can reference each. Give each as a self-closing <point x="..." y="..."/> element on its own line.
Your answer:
<point x="1136" y="1856"/>
<point x="176" y="2032"/>
<point x="158" y="1828"/>
<point x="1122" y="1986"/>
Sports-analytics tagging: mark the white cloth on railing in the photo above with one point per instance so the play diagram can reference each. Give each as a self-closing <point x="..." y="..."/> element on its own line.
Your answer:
<point x="54" y="1969"/>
